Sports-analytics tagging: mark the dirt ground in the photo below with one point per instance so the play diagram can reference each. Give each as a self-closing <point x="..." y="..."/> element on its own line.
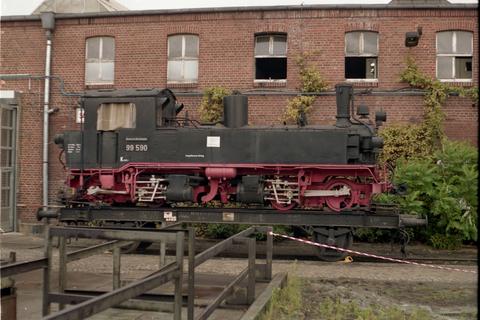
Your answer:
<point x="444" y="294"/>
<point x="438" y="300"/>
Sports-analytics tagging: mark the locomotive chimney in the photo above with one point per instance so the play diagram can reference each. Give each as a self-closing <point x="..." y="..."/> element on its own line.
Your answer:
<point x="235" y="111"/>
<point x="344" y="93"/>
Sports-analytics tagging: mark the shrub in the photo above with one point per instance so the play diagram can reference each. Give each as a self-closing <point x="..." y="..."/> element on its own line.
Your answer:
<point x="444" y="189"/>
<point x="211" y="107"/>
<point x="298" y="107"/>
<point x="405" y="142"/>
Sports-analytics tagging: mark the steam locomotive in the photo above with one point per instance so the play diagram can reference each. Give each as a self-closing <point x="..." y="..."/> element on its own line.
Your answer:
<point x="135" y="149"/>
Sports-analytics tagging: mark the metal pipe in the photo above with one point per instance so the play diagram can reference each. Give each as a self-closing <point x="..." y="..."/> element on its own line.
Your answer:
<point x="21" y="76"/>
<point x="46" y="107"/>
<point x="48" y="23"/>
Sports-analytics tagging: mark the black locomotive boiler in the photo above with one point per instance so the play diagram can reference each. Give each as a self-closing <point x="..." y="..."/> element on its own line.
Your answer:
<point x="135" y="149"/>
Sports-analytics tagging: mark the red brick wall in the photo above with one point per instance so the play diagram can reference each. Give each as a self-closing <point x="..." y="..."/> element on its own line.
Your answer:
<point x="226" y="59"/>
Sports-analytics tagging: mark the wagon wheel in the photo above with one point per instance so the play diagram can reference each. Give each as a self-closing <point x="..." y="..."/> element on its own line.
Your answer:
<point x="338" y="203"/>
<point x="338" y="237"/>
<point x="283" y="206"/>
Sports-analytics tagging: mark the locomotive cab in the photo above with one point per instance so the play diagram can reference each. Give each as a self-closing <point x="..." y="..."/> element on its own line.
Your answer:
<point x="116" y="122"/>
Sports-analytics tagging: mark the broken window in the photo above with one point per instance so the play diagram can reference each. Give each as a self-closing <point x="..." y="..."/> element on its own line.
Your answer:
<point x="454" y="55"/>
<point x="113" y="116"/>
<point x="271" y="57"/>
<point x="182" y="58"/>
<point x="361" y="55"/>
<point x="100" y="60"/>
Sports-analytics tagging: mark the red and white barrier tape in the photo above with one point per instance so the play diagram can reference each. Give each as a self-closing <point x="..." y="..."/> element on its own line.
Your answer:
<point x="370" y="255"/>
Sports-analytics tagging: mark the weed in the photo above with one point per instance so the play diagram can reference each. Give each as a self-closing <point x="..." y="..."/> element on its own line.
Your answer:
<point x="336" y="309"/>
<point x="286" y="303"/>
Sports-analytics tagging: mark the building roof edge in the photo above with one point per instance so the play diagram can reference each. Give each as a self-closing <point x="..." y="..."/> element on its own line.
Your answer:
<point x="243" y="9"/>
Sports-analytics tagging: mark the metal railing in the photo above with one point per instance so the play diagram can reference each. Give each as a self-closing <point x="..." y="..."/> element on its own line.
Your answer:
<point x="87" y="303"/>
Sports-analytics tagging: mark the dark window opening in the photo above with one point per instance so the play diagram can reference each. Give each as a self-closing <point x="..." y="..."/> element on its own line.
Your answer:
<point x="360" y="68"/>
<point x="463" y="68"/>
<point x="270" y="68"/>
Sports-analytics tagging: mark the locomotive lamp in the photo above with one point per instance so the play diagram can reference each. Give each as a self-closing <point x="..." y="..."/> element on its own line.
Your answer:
<point x="362" y="111"/>
<point x="380" y="117"/>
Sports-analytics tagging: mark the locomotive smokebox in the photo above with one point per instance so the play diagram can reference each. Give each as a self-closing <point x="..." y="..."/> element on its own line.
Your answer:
<point x="235" y="111"/>
<point x="344" y="93"/>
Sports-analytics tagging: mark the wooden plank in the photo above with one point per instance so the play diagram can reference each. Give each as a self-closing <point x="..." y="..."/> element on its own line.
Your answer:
<point x="260" y="304"/>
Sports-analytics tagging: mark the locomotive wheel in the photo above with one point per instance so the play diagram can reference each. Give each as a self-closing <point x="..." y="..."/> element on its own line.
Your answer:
<point x="341" y="202"/>
<point x="282" y="206"/>
<point x="338" y="237"/>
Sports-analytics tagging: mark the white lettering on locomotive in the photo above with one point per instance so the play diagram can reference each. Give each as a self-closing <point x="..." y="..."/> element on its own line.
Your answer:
<point x="74" y="147"/>
<point x="194" y="156"/>
<point x="136" y="147"/>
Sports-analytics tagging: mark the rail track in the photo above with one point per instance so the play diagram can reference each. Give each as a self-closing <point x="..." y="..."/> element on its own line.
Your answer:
<point x="284" y="251"/>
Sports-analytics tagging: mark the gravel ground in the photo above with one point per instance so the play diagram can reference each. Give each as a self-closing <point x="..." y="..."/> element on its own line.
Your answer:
<point x="447" y="294"/>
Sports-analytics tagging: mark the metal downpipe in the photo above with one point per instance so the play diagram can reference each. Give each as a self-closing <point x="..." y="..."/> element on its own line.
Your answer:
<point x="46" y="107"/>
<point x="48" y="23"/>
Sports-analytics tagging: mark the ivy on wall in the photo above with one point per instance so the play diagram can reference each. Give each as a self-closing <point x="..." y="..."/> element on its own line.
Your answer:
<point x="311" y="80"/>
<point x="421" y="140"/>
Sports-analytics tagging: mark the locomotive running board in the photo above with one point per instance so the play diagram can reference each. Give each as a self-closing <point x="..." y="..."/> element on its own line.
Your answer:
<point x="387" y="219"/>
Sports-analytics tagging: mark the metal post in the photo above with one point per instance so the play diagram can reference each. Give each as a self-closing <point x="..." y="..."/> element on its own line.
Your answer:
<point x="251" y="242"/>
<point x="191" y="273"/>
<point x="163" y="249"/>
<point x="116" y="268"/>
<point x="62" y="267"/>
<point x="12" y="257"/>
<point x="269" y="254"/>
<point x="178" y="279"/>
<point x="46" y="272"/>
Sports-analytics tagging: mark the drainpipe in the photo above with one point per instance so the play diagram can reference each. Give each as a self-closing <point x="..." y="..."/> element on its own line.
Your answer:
<point x="48" y="23"/>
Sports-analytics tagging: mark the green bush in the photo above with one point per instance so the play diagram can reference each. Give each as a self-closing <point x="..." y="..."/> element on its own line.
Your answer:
<point x="298" y="106"/>
<point x="211" y="107"/>
<point x="444" y="189"/>
<point x="405" y="141"/>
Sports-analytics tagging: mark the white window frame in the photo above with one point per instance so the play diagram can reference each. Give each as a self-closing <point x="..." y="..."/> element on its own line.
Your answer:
<point x="100" y="60"/>
<point x="454" y="55"/>
<point x="183" y="58"/>
<point x="270" y="54"/>
<point x="361" y="45"/>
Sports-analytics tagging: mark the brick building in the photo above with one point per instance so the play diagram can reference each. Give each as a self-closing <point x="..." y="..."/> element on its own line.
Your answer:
<point x="252" y="50"/>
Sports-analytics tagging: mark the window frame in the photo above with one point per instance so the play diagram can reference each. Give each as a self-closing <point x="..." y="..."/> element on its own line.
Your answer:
<point x="99" y="61"/>
<point x="101" y="123"/>
<point x="270" y="55"/>
<point x="454" y="55"/>
<point x="362" y="54"/>
<point x="183" y="58"/>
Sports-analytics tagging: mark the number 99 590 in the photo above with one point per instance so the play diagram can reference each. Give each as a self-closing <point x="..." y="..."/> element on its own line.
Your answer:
<point x="136" y="147"/>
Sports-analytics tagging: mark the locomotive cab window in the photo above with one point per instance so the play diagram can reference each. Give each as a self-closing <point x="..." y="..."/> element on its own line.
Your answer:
<point x="270" y="57"/>
<point x="361" y="55"/>
<point x="114" y="116"/>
